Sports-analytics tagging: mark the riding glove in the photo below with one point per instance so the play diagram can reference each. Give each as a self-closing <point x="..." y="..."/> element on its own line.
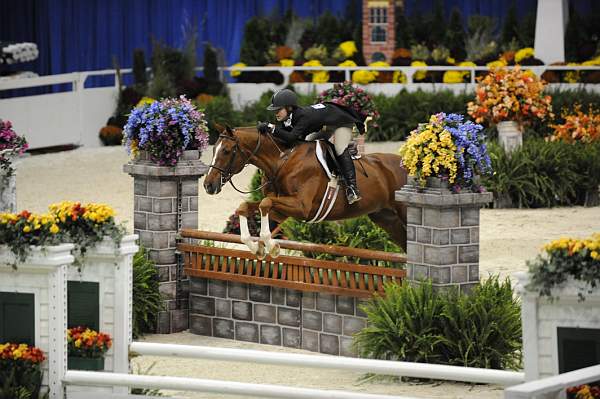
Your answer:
<point x="264" y="127"/>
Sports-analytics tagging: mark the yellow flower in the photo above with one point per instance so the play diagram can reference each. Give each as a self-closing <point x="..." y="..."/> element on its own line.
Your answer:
<point x="145" y="101"/>
<point x="399" y="77"/>
<point x="348" y="48"/>
<point x="347" y="63"/>
<point x="453" y="76"/>
<point x="419" y="74"/>
<point x="78" y="343"/>
<point x="450" y="60"/>
<point x="320" y="77"/>
<point x="497" y="64"/>
<point x="286" y="62"/>
<point x="235" y="69"/>
<point x="524" y="53"/>
<point x="363" y="77"/>
<point x="26" y="229"/>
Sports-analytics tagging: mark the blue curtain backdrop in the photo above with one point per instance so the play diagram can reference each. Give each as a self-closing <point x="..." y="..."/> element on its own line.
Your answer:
<point x="80" y="35"/>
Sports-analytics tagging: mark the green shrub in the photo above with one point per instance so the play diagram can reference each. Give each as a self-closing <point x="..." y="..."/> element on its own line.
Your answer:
<point x="147" y="299"/>
<point x="219" y="111"/>
<point x="415" y="323"/>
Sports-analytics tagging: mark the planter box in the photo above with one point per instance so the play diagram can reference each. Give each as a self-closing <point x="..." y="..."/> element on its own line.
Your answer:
<point x="85" y="363"/>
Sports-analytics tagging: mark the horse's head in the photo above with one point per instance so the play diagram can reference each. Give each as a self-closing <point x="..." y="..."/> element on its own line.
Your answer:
<point x="229" y="158"/>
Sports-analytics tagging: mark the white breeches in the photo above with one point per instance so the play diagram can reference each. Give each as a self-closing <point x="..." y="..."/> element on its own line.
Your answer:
<point x="342" y="137"/>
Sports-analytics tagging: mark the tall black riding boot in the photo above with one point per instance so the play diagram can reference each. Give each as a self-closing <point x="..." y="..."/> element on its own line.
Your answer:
<point x="347" y="169"/>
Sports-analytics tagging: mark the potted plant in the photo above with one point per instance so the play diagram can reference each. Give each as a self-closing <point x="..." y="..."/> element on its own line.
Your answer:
<point x="20" y="370"/>
<point x="161" y="131"/>
<point x="510" y="98"/>
<point x="447" y="152"/>
<point x="86" y="348"/>
<point x="11" y="144"/>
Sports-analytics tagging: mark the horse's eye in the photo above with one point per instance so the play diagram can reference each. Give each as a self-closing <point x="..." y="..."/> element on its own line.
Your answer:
<point x="225" y="151"/>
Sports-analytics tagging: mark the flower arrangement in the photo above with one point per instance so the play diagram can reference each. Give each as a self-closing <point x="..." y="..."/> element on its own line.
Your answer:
<point x="317" y="76"/>
<point x="165" y="129"/>
<point x="583" y="392"/>
<point x="236" y="69"/>
<point x="564" y="258"/>
<point x="84" y="342"/>
<point x="318" y="53"/>
<point x="286" y="62"/>
<point x="447" y="147"/>
<point x="524" y="53"/>
<point x="10" y="143"/>
<point x="420" y="74"/>
<point x="352" y="97"/>
<point x="348" y="48"/>
<point x="363" y="77"/>
<point x="514" y="94"/>
<point x="382" y="76"/>
<point x="578" y="126"/>
<point x="13" y="53"/>
<point x="20" y="370"/>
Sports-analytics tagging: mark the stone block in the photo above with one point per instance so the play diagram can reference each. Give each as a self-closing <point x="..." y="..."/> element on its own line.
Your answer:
<point x="467" y="288"/>
<point x="189" y="187"/>
<point x="168" y="289"/>
<point x="140" y="186"/>
<point x="310" y="341"/>
<point x="460" y="274"/>
<point x="140" y="220"/>
<point x="409" y="271"/>
<point x="332" y="323"/>
<point x="265" y="313"/>
<point x="325" y="302"/>
<point x="179" y="320"/>
<point x="468" y="254"/>
<point x="424" y="235"/>
<point x="473" y="272"/>
<point x="144" y="204"/>
<point x="200" y="325"/>
<point x="420" y="272"/>
<point x="202" y="305"/>
<point x="312" y="320"/>
<point x="460" y="236"/>
<point x="346" y="347"/>
<point x="469" y="216"/>
<point x="345" y="304"/>
<point x="223" y="307"/>
<point x="278" y="296"/>
<point x="189" y="220"/>
<point x="414" y="252"/>
<point x="352" y="325"/>
<point x="223" y="328"/>
<point x="162" y="205"/>
<point x="260" y="293"/>
<point x="293" y="298"/>
<point x="238" y="290"/>
<point x="198" y="286"/>
<point x="435" y="255"/>
<point x="291" y="337"/>
<point x="440" y="274"/>
<point x="288" y="317"/>
<point x="241" y="310"/>
<point x="194" y="204"/>
<point x="475" y="235"/>
<point x="309" y="300"/>
<point x="146" y="238"/>
<point x="183" y="205"/>
<point x="163" y="324"/>
<point x="414" y="215"/>
<point x="162" y="222"/>
<point x="246" y="332"/>
<point x="411" y="233"/>
<point x="441" y="217"/>
<point x="160" y="240"/>
<point x="162" y="188"/>
<point x="440" y="237"/>
<point x="329" y="344"/>
<point x="162" y="256"/>
<point x="163" y="273"/>
<point x="217" y="288"/>
<point x="270" y="335"/>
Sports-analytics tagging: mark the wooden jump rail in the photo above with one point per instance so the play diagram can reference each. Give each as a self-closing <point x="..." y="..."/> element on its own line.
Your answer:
<point x="293" y="272"/>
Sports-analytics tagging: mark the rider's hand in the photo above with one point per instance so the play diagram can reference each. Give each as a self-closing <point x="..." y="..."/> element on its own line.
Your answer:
<point x="263" y="128"/>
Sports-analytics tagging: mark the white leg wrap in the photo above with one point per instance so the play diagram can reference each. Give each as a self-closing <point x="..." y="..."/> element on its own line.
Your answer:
<point x="265" y="232"/>
<point x="245" y="235"/>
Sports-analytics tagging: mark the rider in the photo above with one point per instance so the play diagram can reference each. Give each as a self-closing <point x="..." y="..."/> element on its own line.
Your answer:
<point x="306" y="123"/>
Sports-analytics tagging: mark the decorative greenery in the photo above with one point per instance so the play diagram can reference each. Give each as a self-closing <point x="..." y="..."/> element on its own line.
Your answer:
<point x="84" y="342"/>
<point x="449" y="148"/>
<point x="564" y="258"/>
<point x="20" y="371"/>
<point x="165" y="129"/>
<point x="417" y="324"/>
<point x="510" y="95"/>
<point x="147" y="299"/>
<point x="10" y="144"/>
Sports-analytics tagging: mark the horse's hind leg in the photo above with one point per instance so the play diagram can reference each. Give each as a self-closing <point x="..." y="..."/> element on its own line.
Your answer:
<point x="392" y="222"/>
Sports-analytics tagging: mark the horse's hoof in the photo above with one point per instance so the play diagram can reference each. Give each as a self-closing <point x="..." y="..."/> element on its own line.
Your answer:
<point x="274" y="252"/>
<point x="261" y="253"/>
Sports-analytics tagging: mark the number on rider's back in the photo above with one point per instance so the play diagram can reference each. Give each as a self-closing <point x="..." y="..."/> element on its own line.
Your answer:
<point x="318" y="106"/>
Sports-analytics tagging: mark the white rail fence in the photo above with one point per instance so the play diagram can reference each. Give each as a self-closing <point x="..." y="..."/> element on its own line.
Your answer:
<point x="74" y="117"/>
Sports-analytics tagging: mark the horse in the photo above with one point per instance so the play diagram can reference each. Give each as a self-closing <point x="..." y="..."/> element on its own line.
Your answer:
<point x="295" y="182"/>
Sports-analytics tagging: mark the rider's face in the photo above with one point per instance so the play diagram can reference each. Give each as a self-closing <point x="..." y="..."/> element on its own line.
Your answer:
<point x="281" y="114"/>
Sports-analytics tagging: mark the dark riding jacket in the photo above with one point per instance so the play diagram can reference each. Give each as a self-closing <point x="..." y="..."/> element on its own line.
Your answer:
<point x="310" y="119"/>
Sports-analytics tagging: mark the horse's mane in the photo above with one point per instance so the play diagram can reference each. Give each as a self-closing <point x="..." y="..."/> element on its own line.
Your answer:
<point x="277" y="139"/>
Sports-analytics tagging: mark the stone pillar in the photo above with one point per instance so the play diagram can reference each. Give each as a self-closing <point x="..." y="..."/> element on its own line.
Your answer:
<point x="166" y="200"/>
<point x="8" y="192"/>
<point x="442" y="234"/>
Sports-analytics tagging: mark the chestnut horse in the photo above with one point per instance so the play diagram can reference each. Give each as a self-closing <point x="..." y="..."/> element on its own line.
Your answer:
<point x="295" y="183"/>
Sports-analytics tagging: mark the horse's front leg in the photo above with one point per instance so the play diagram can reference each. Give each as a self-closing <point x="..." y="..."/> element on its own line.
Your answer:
<point x="271" y="247"/>
<point x="285" y="206"/>
<point x="245" y="210"/>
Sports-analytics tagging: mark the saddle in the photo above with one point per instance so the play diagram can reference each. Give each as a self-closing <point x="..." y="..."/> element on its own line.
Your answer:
<point x="325" y="152"/>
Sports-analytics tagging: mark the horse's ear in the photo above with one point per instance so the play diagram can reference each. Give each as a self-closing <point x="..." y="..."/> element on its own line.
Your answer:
<point x="228" y="130"/>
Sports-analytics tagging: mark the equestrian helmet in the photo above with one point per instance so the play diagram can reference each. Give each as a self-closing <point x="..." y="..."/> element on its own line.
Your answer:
<point x="283" y="98"/>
